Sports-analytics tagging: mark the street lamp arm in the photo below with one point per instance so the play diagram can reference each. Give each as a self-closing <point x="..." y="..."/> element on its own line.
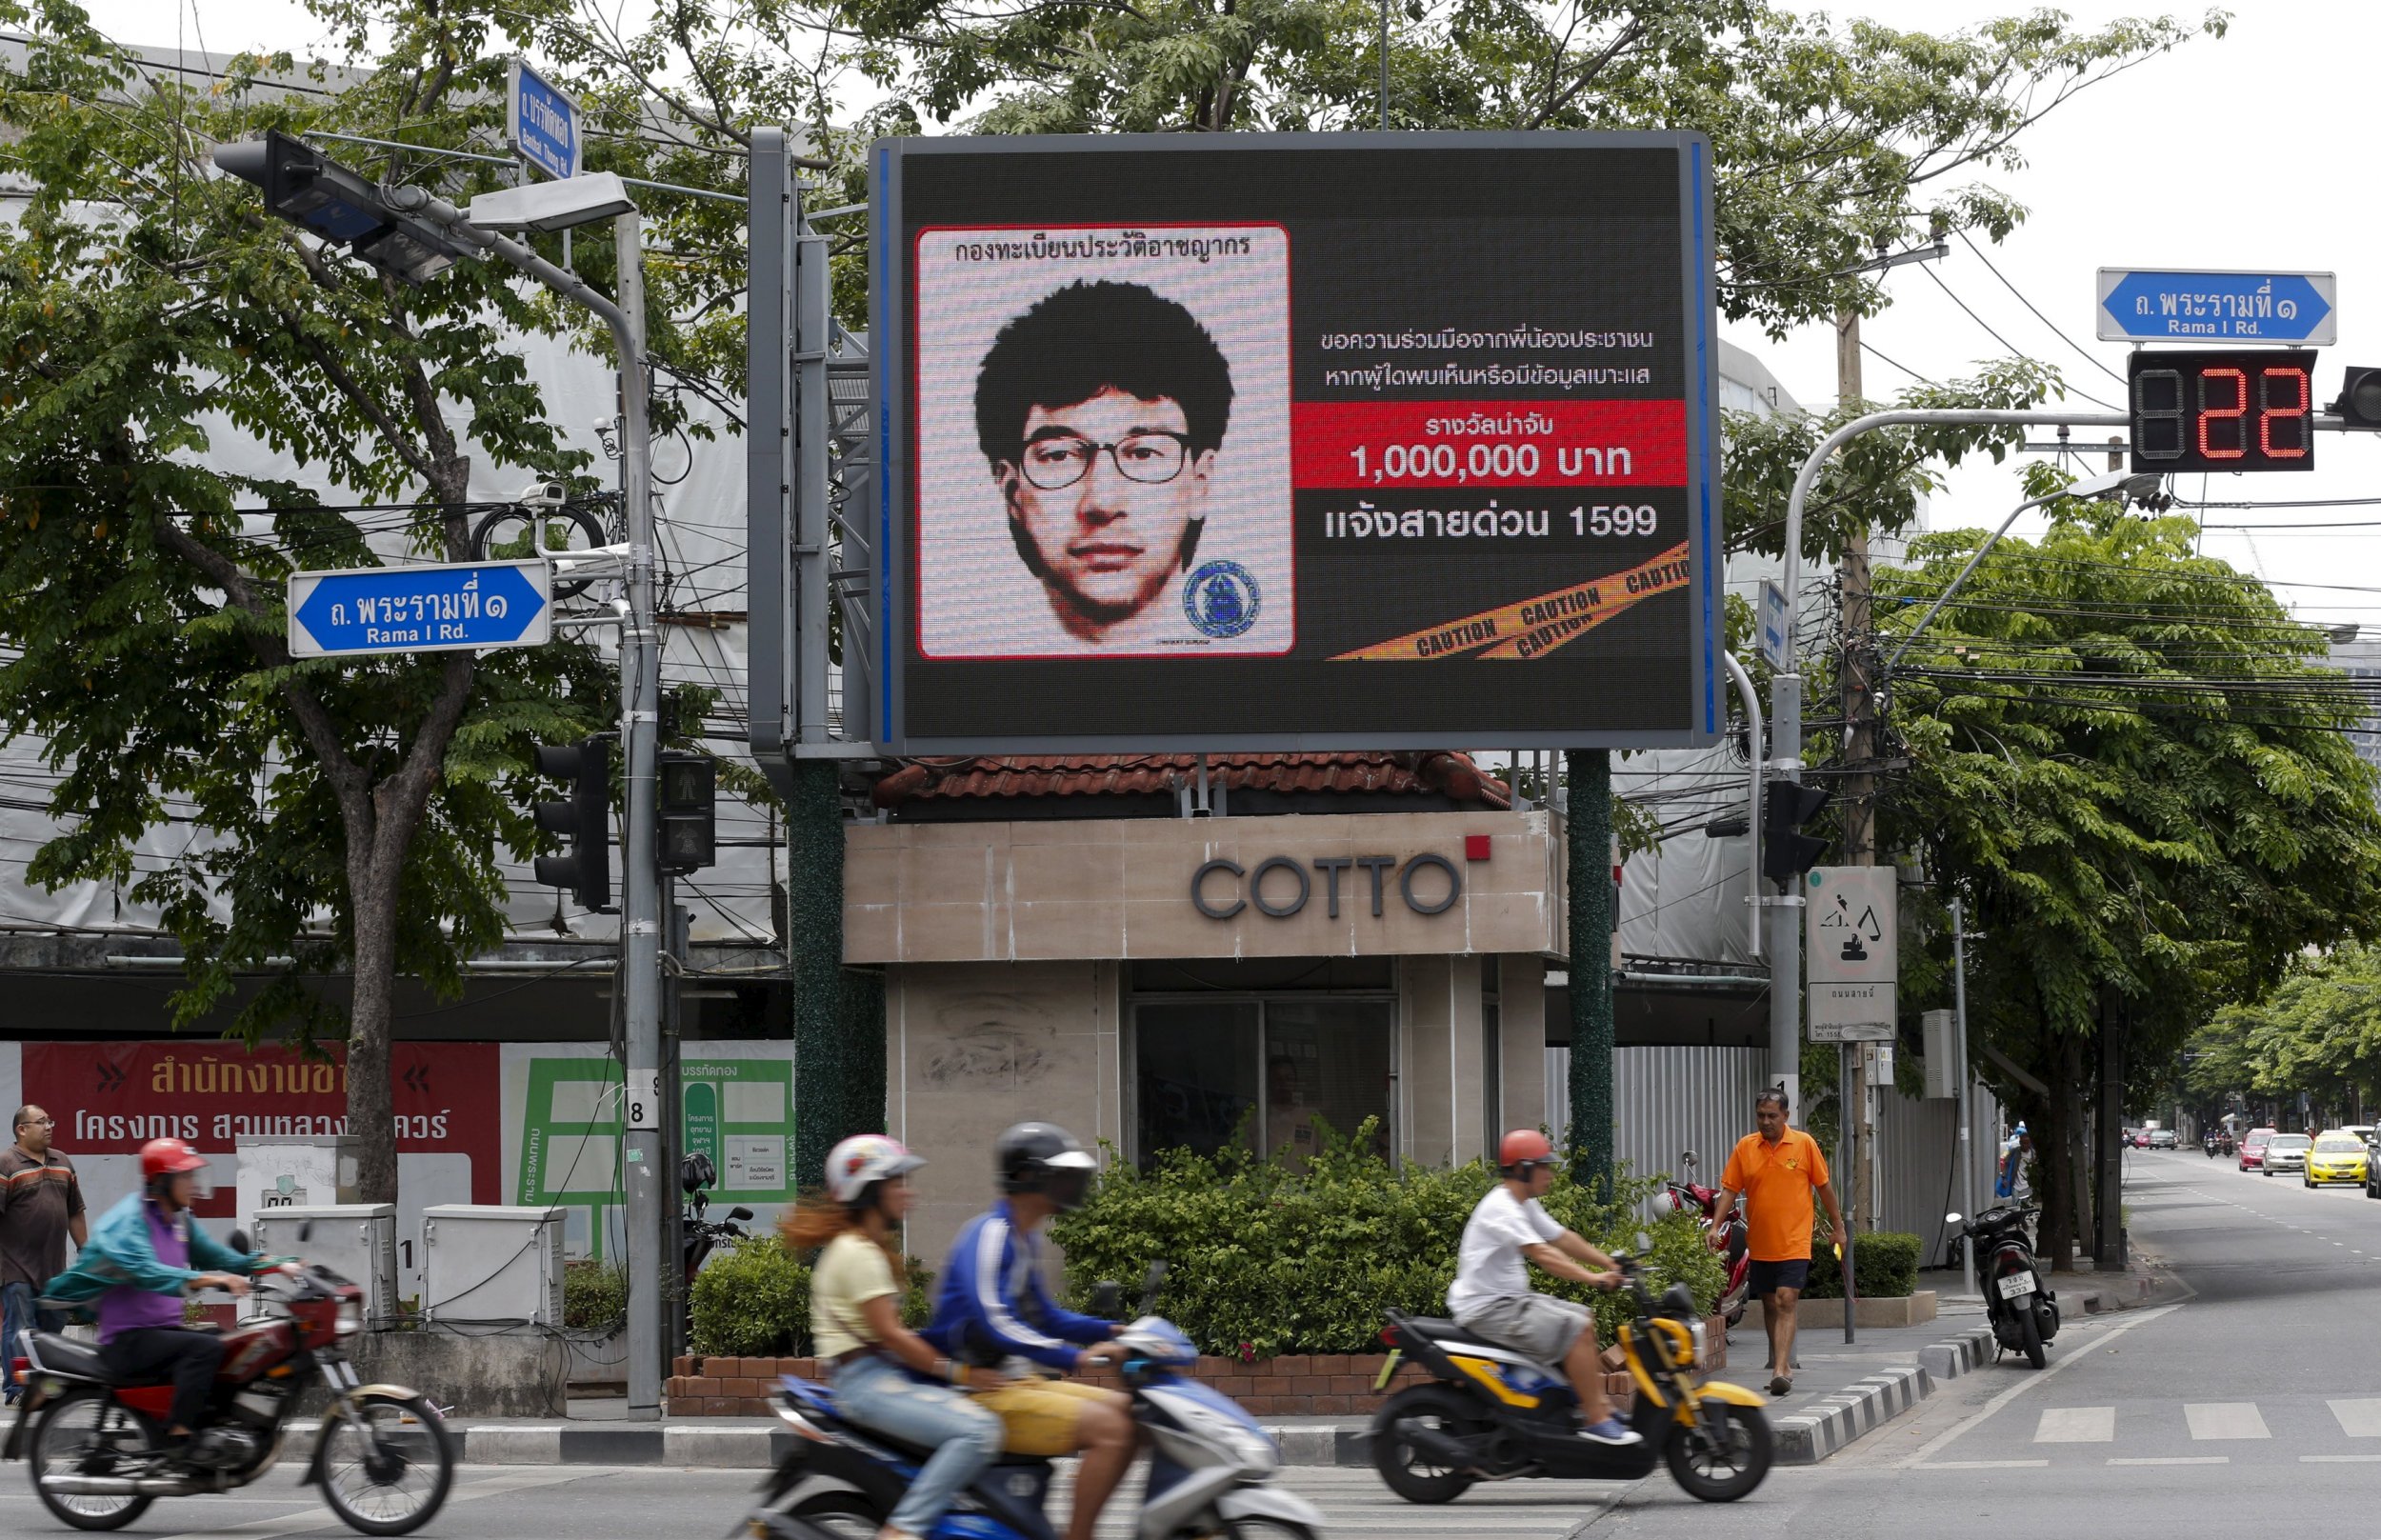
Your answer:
<point x="1754" y="751"/>
<point x="427" y="205"/>
<point x="1944" y="597"/>
<point x="1901" y="417"/>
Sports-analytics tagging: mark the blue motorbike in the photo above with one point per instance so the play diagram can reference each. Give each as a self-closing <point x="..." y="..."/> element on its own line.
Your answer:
<point x="1210" y="1468"/>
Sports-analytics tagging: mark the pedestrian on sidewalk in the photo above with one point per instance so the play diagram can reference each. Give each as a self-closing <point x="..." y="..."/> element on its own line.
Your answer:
<point x="1778" y="1170"/>
<point x="41" y="1204"/>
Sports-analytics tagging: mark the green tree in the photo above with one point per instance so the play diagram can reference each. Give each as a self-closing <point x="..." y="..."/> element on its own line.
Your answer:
<point x="2126" y="759"/>
<point x="348" y="814"/>
<point x="2318" y="1029"/>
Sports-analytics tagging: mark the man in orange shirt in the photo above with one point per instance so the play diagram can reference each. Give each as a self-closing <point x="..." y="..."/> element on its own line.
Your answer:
<point x="1778" y="1170"/>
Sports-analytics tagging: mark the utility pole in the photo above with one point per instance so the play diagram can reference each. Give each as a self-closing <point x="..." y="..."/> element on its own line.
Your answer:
<point x="648" y="1187"/>
<point x="1859" y="786"/>
<point x="1966" y="1079"/>
<point x="1587" y="825"/>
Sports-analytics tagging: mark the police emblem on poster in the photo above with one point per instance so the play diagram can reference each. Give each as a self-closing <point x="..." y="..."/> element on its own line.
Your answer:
<point x="1221" y="600"/>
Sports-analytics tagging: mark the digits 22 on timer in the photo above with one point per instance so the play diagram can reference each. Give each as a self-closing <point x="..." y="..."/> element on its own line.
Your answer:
<point x="2245" y="408"/>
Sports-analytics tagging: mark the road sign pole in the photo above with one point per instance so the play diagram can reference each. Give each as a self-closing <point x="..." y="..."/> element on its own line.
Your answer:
<point x="648" y="1185"/>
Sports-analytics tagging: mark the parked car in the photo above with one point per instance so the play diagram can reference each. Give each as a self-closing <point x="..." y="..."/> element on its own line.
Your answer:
<point x="2164" y="1139"/>
<point x="2253" y="1148"/>
<point x="2287" y="1153"/>
<point x="2337" y="1157"/>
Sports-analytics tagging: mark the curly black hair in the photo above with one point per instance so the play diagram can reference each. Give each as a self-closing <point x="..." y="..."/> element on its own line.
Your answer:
<point x="1089" y="338"/>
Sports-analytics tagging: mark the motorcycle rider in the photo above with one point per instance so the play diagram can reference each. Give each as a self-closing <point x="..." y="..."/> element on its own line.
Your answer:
<point x="1491" y="1294"/>
<point x="855" y="1325"/>
<point x="139" y="1265"/>
<point x="991" y="1309"/>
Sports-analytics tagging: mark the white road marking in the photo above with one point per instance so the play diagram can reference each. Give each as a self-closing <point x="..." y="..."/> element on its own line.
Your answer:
<point x="321" y="1519"/>
<point x="2338" y="1459"/>
<point x="2179" y="1459"/>
<point x="2358" y="1419"/>
<point x="2057" y="1367"/>
<point x="1985" y="1465"/>
<point x="2225" y="1419"/>
<point x="2076" y="1424"/>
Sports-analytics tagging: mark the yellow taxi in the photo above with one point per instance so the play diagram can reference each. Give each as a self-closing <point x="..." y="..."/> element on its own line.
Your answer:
<point x="2337" y="1157"/>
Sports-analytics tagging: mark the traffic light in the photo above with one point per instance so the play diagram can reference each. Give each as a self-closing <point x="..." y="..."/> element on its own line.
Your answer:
<point x="690" y="824"/>
<point x="1786" y="851"/>
<point x="585" y="820"/>
<point x="306" y="187"/>
<point x="2360" y="397"/>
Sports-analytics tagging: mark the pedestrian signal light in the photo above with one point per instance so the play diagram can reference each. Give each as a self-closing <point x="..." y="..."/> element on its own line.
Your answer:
<point x="585" y="822"/>
<point x="689" y="828"/>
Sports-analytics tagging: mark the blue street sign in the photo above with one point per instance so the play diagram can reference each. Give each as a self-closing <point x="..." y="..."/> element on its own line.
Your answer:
<point x="2191" y="305"/>
<point x="449" y="608"/>
<point x="1773" y="625"/>
<point x="541" y="122"/>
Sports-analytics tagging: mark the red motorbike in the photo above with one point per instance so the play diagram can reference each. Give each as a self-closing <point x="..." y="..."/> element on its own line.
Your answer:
<point x="383" y="1457"/>
<point x="1730" y="1241"/>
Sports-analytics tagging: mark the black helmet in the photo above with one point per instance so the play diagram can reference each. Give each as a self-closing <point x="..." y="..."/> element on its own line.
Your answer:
<point x="1043" y="1158"/>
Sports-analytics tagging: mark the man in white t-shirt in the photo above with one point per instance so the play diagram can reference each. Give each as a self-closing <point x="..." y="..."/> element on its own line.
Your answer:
<point x="1492" y="1297"/>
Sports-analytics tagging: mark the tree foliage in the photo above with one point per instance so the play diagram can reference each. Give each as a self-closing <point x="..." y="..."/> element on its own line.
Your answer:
<point x="2317" y="1030"/>
<point x="345" y="815"/>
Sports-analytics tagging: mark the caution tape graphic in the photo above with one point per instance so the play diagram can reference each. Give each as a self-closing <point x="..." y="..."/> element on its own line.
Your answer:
<point x="1533" y="628"/>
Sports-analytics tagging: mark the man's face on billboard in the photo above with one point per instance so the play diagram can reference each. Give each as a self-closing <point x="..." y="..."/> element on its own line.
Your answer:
<point x="1106" y="489"/>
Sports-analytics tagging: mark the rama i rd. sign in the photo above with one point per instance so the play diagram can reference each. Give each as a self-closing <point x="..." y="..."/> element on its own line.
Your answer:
<point x="441" y="608"/>
<point x="2196" y="304"/>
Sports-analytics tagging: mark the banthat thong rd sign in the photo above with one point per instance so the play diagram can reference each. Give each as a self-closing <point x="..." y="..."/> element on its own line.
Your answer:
<point x="2195" y="304"/>
<point x="541" y="122"/>
<point x="443" y="608"/>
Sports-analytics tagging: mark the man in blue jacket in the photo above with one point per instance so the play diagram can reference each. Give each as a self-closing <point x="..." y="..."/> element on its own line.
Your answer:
<point x="143" y="1255"/>
<point x="994" y="1309"/>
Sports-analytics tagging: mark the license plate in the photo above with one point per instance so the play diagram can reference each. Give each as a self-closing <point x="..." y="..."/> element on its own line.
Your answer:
<point x="1389" y="1368"/>
<point x="2016" y="1284"/>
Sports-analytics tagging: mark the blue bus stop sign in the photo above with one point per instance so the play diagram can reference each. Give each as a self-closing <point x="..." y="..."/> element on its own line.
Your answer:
<point x="2298" y="310"/>
<point x="448" y="608"/>
<point x="541" y="122"/>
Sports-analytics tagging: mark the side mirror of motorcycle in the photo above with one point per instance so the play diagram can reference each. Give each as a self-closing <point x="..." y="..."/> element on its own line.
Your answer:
<point x="241" y="1244"/>
<point x="1687" y="1157"/>
<point x="1951" y="1219"/>
<point x="739" y="1211"/>
<point x="306" y="1230"/>
<point x="1108" y="1295"/>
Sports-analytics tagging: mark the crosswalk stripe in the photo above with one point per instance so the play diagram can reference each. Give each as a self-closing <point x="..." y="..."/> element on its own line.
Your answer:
<point x="2076" y="1424"/>
<point x="2179" y="1459"/>
<point x="2338" y="1459"/>
<point x="2358" y="1419"/>
<point x="2225" y="1419"/>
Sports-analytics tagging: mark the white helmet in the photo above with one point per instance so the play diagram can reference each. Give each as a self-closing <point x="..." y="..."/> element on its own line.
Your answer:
<point x="864" y="1159"/>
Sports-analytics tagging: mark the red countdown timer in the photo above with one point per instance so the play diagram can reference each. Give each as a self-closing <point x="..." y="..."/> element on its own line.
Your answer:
<point x="2246" y="409"/>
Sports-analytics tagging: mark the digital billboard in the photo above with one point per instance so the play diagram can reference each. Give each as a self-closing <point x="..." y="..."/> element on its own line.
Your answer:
<point x="1286" y="441"/>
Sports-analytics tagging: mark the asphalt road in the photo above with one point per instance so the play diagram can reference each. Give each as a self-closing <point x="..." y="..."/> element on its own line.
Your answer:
<point x="2257" y="1399"/>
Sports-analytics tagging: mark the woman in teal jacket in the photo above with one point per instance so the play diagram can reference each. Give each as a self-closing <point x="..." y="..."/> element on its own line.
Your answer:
<point x="143" y="1255"/>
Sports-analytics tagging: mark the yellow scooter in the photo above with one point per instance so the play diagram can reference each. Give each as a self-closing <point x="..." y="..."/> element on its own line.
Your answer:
<point x="1491" y="1415"/>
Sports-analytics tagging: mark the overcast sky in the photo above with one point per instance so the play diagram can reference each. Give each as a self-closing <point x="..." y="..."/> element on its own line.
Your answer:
<point x="2248" y="151"/>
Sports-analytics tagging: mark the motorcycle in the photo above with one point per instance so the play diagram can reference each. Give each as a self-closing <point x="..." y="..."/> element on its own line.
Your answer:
<point x="702" y="1236"/>
<point x="2023" y="1313"/>
<point x="383" y="1457"/>
<point x="1211" y="1469"/>
<point x="1730" y="1242"/>
<point x="1491" y="1415"/>
<point x="2217" y="1144"/>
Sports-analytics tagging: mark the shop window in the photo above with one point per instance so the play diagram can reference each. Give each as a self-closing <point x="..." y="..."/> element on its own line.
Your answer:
<point x="1260" y="1073"/>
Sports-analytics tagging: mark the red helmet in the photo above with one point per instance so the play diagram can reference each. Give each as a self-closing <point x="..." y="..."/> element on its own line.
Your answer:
<point x="1524" y="1147"/>
<point x="168" y="1157"/>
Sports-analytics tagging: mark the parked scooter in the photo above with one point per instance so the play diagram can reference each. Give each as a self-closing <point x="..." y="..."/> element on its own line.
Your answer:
<point x="1730" y="1242"/>
<point x="702" y="1236"/>
<point x="2024" y="1314"/>
<point x="383" y="1458"/>
<point x="1210" y="1471"/>
<point x="1491" y="1415"/>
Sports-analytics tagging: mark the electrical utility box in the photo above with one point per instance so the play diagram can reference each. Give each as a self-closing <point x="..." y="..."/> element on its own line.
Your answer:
<point x="1940" y="1029"/>
<point x="488" y="1267"/>
<point x="294" y="1171"/>
<point x="358" y="1241"/>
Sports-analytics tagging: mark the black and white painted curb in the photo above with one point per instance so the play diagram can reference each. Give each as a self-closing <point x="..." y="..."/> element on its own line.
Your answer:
<point x="1810" y="1434"/>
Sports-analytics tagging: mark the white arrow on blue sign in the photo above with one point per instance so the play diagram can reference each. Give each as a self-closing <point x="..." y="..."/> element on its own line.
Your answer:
<point x="443" y="608"/>
<point x="2191" y="305"/>
<point x="541" y="122"/>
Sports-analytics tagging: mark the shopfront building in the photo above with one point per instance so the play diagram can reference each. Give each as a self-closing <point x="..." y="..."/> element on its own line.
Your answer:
<point x="1162" y="982"/>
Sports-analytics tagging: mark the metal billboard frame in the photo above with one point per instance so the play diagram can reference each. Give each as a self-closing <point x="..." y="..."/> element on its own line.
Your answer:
<point x="889" y="267"/>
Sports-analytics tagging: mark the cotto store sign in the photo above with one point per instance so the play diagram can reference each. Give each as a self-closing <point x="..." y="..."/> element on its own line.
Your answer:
<point x="110" y="1098"/>
<point x="1280" y="886"/>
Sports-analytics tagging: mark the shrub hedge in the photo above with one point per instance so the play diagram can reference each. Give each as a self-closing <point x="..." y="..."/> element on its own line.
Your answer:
<point x="752" y="1300"/>
<point x="1885" y="1264"/>
<point x="594" y="1295"/>
<point x="1266" y="1258"/>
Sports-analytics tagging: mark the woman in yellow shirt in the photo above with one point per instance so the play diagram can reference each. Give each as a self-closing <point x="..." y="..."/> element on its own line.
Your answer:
<point x="886" y="1377"/>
